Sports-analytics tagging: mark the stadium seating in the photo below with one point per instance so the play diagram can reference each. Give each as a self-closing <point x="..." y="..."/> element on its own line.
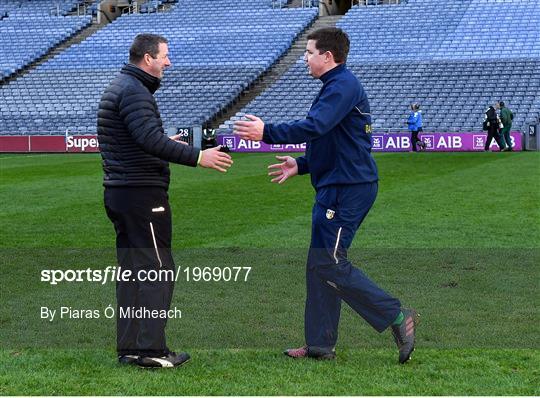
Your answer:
<point x="27" y="8"/>
<point x="453" y="57"/>
<point x="218" y="48"/>
<point x="30" y="28"/>
<point x="25" y="39"/>
<point x="451" y="30"/>
<point x="454" y="95"/>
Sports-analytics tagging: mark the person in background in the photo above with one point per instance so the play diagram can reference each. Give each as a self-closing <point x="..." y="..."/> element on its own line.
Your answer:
<point x="506" y="117"/>
<point x="491" y="123"/>
<point x="415" y="126"/>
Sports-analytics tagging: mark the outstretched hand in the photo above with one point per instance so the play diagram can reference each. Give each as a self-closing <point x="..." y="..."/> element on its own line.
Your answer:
<point x="251" y="129"/>
<point x="284" y="170"/>
<point x="214" y="159"/>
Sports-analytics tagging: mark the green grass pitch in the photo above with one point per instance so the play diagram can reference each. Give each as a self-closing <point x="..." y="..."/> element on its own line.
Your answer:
<point x="455" y="235"/>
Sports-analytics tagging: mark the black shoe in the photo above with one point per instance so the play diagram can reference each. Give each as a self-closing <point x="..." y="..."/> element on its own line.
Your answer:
<point x="311" y="352"/>
<point x="127" y="359"/>
<point x="321" y="353"/>
<point x="169" y="360"/>
<point x="404" y="334"/>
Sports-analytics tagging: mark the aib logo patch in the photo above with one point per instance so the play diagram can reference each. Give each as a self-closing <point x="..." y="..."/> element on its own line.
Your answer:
<point x="330" y="214"/>
<point x="230" y="142"/>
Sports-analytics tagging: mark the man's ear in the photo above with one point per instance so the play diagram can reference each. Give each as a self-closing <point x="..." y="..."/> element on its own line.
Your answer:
<point x="328" y="56"/>
<point x="147" y="59"/>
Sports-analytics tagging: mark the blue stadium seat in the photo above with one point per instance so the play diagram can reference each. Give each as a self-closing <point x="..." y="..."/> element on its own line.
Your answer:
<point x="213" y="61"/>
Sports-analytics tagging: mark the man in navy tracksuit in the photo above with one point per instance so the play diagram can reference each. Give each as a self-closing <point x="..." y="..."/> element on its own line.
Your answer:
<point x="344" y="174"/>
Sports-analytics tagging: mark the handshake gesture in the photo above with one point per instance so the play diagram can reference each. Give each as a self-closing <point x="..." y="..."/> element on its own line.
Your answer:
<point x="284" y="170"/>
<point x="215" y="159"/>
<point x="251" y="128"/>
<point x="212" y="158"/>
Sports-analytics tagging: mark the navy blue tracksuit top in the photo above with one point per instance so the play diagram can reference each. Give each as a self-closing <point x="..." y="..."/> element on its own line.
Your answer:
<point x="337" y="132"/>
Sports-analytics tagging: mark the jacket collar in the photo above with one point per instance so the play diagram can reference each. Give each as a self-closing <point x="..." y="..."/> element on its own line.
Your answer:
<point x="150" y="82"/>
<point x="332" y="72"/>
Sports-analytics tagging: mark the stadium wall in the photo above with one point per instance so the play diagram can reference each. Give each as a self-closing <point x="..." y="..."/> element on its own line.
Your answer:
<point x="382" y="142"/>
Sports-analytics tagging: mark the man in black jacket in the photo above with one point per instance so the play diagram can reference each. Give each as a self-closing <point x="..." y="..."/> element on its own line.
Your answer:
<point x="492" y="122"/>
<point x="135" y="153"/>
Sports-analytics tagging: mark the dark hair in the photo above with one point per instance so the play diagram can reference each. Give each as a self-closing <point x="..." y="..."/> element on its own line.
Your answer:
<point x="145" y="43"/>
<point x="501" y="104"/>
<point x="331" y="39"/>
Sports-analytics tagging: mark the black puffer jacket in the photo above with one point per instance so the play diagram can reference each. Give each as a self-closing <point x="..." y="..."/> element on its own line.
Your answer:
<point x="491" y="118"/>
<point x="133" y="146"/>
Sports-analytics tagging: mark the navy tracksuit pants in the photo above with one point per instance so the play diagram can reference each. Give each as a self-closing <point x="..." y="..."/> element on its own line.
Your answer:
<point x="330" y="277"/>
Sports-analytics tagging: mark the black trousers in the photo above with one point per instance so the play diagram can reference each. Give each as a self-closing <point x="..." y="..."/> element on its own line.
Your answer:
<point x="142" y="220"/>
<point x="414" y="139"/>
<point x="493" y="133"/>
